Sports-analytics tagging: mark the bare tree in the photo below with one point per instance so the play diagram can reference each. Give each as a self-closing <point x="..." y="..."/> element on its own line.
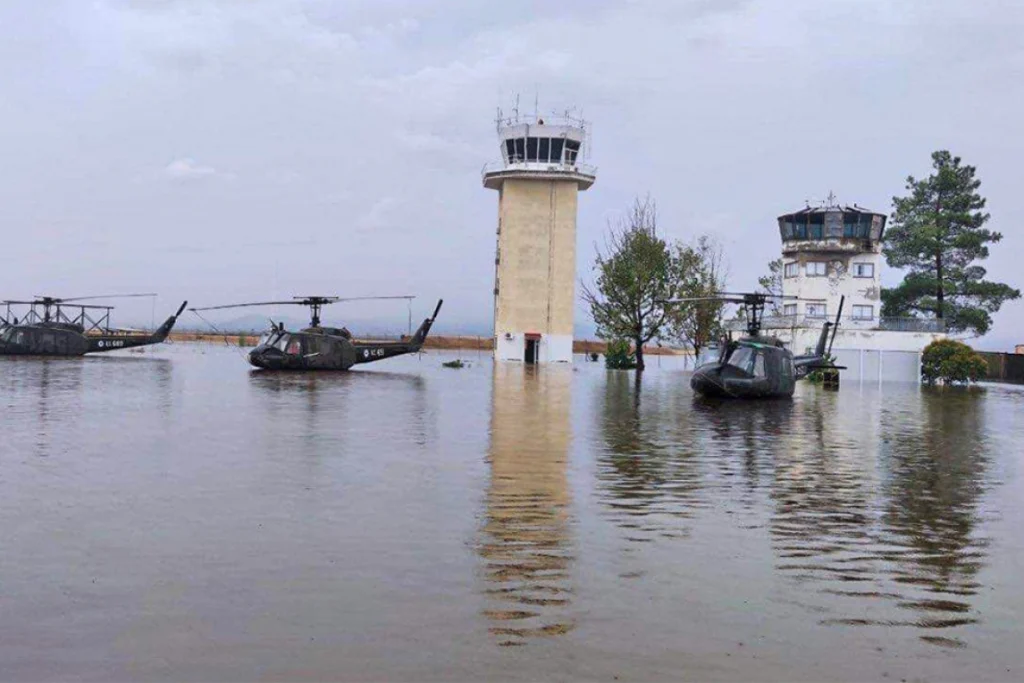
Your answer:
<point x="634" y="280"/>
<point x="772" y="283"/>
<point x="700" y="273"/>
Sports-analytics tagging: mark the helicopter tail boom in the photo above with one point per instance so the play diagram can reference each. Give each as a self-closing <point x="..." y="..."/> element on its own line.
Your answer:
<point x="367" y="352"/>
<point x="112" y="342"/>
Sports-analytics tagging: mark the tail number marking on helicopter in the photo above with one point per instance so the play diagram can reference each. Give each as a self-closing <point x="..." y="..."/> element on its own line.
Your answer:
<point x="373" y="353"/>
<point x="111" y="344"/>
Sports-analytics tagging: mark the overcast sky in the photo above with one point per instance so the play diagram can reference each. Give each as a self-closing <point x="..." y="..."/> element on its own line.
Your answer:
<point x="222" y="150"/>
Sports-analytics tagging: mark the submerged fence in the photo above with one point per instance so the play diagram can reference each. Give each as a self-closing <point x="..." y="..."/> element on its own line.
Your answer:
<point x="1004" y="367"/>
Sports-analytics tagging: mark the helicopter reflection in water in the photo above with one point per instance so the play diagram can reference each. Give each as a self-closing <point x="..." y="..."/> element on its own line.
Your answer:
<point x="527" y="546"/>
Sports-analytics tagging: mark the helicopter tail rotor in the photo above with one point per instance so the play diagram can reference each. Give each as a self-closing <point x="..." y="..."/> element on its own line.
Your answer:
<point x="424" y="329"/>
<point x="835" y="326"/>
<point x="165" y="329"/>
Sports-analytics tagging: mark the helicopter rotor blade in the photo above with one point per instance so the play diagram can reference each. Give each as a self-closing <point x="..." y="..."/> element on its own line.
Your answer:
<point x="685" y="300"/>
<point x="339" y="299"/>
<point x="303" y="301"/>
<point x="57" y="300"/>
<point x="254" y="303"/>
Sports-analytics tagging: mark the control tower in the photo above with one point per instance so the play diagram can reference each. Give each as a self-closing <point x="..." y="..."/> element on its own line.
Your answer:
<point x="831" y="251"/>
<point x="538" y="178"/>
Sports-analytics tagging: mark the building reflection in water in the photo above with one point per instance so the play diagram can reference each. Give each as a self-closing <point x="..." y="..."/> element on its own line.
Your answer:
<point x="886" y="527"/>
<point x="526" y="545"/>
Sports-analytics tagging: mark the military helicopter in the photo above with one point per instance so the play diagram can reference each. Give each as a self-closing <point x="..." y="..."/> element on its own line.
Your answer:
<point x="324" y="348"/>
<point x="757" y="366"/>
<point x="59" y="327"/>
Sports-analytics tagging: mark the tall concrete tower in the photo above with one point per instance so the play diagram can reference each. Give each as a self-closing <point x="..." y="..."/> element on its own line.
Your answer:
<point x="538" y="178"/>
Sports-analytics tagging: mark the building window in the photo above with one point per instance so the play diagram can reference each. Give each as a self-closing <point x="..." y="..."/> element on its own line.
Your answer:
<point x="531" y="149"/>
<point x="792" y="269"/>
<point x="572" y="148"/>
<point x="545" y="149"/>
<point x="863" y="269"/>
<point x="816" y="226"/>
<point x="817" y="269"/>
<point x="789" y="309"/>
<point x="816" y="310"/>
<point x="556" y="150"/>
<point x="863" y="312"/>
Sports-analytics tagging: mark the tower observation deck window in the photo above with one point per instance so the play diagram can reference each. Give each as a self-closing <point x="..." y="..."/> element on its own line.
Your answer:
<point x="572" y="148"/>
<point x="517" y="151"/>
<point x="857" y="225"/>
<point x="531" y="149"/>
<point x="556" y="150"/>
<point x="816" y="227"/>
<point x="545" y="149"/>
<point x="793" y="228"/>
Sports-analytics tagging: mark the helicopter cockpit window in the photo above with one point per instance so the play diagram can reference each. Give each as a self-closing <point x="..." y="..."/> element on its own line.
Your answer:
<point x="281" y="344"/>
<point x="294" y="347"/>
<point x="759" y="366"/>
<point x="787" y="367"/>
<point x="743" y="358"/>
<point x="268" y="338"/>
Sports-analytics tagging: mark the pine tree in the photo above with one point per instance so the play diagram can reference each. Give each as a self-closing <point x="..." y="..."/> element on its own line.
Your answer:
<point x="937" y="233"/>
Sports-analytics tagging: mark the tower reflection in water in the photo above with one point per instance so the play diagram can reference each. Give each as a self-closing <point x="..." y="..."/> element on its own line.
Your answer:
<point x="526" y="544"/>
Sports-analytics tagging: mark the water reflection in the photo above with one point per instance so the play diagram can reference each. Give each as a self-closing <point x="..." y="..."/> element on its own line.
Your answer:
<point x="322" y="406"/>
<point x="937" y="475"/>
<point x="527" y="548"/>
<point x="889" y="540"/>
<point x="649" y="473"/>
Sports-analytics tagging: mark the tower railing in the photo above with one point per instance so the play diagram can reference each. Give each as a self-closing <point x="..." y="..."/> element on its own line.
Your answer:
<point x="538" y="167"/>
<point x="892" y="324"/>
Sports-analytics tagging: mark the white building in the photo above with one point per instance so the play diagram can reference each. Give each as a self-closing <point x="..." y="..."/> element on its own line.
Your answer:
<point x="830" y="252"/>
<point x="538" y="180"/>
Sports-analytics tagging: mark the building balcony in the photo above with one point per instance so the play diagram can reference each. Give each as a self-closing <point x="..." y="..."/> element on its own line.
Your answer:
<point x="495" y="172"/>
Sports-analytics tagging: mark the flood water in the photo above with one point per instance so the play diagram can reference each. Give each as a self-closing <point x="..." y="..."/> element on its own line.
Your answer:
<point x="174" y="515"/>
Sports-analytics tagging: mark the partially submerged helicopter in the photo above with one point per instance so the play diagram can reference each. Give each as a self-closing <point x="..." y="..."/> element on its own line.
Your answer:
<point x="59" y="327"/>
<point x="324" y="348"/>
<point x="757" y="366"/>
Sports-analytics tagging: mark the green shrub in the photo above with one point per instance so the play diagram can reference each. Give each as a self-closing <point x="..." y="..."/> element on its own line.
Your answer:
<point x="619" y="355"/>
<point x="951" y="362"/>
<point x="818" y="376"/>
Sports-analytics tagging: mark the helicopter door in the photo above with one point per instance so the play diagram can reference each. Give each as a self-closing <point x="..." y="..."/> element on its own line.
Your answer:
<point x="48" y="342"/>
